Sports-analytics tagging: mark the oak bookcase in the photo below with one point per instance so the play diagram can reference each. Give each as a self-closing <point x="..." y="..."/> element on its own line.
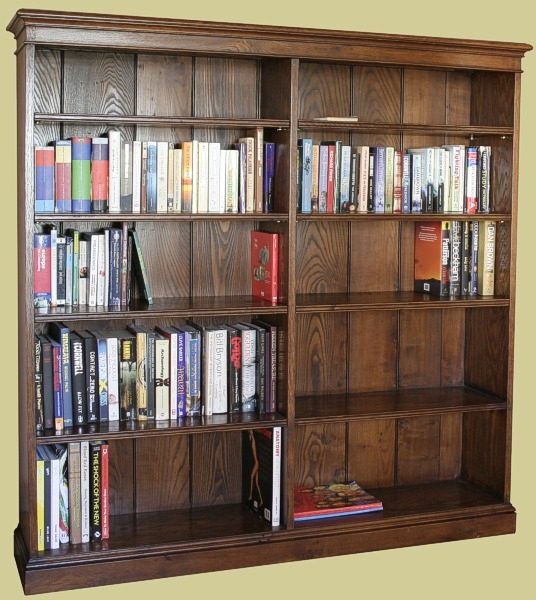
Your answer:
<point x="408" y="394"/>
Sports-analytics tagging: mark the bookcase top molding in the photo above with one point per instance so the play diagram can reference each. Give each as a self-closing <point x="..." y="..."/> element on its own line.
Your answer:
<point x="152" y="34"/>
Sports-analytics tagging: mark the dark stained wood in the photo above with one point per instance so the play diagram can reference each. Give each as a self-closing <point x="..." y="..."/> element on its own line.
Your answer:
<point x="371" y="453"/>
<point x="391" y="404"/>
<point x="373" y="346"/>
<point x="409" y="394"/>
<point x="320" y="454"/>
<point x="322" y="345"/>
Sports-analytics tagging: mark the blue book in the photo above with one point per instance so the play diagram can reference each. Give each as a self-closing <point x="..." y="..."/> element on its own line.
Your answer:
<point x="102" y="371"/>
<point x="44" y="179"/>
<point x="269" y="176"/>
<point x="57" y="385"/>
<point x="305" y="175"/>
<point x="193" y="349"/>
<point x="60" y="333"/>
<point x="181" y="374"/>
<point x="379" y="180"/>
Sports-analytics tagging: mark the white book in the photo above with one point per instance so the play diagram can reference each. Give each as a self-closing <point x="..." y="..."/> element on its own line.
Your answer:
<point x="171" y="334"/>
<point x="68" y="271"/>
<point x="214" y="152"/>
<point x="114" y="171"/>
<point x="457" y="177"/>
<point x="223" y="180"/>
<point x="53" y="267"/>
<point x="93" y="268"/>
<point x="170" y="178"/>
<point x="136" y="176"/>
<point x="85" y="489"/>
<point x="112" y="352"/>
<point x="101" y="269"/>
<point x="346" y="157"/>
<point x="362" y="194"/>
<point x="52" y="470"/>
<point x="161" y="176"/>
<point x="231" y="181"/>
<point x="177" y="180"/>
<point x="202" y="169"/>
<point x="416" y="186"/>
<point x="195" y="174"/>
<point x="218" y="370"/>
<point x="161" y="376"/>
<point x="249" y="370"/>
<point x="276" y="476"/>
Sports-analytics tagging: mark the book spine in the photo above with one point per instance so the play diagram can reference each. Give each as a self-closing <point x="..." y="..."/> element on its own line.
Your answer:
<point x="40" y="502"/>
<point x="95" y="524"/>
<point x="99" y="174"/>
<point x="68" y="270"/>
<point x="42" y="270"/>
<point x="48" y="382"/>
<point x="181" y="374"/>
<point x="162" y="378"/>
<point x="471" y="181"/>
<point x="150" y="409"/>
<point x="305" y="158"/>
<point x="62" y="176"/>
<point x="484" y="154"/>
<point x="114" y="270"/>
<point x="59" y="424"/>
<point x="362" y="194"/>
<point x="445" y="258"/>
<point x="397" y="181"/>
<point x="91" y="375"/>
<point x="406" y="183"/>
<point x="61" y="283"/>
<point x="112" y="353"/>
<point x="105" y="492"/>
<point x="75" y="489"/>
<point x="379" y="180"/>
<point x="171" y="336"/>
<point x="486" y="258"/>
<point x="330" y="193"/>
<point x="214" y="154"/>
<point x="75" y="280"/>
<point x="258" y="166"/>
<point x="44" y="179"/>
<point x="187" y="176"/>
<point x="162" y="156"/>
<point x="81" y="174"/>
<point x="177" y="180"/>
<point x="466" y="258"/>
<point x="61" y="453"/>
<point x="143" y="185"/>
<point x="193" y="374"/>
<point x="114" y="171"/>
<point x="231" y="181"/>
<point x="125" y="186"/>
<point x="276" y="477"/>
<point x="389" y="178"/>
<point x="475" y="244"/>
<point x="354" y="180"/>
<point x="61" y="335"/>
<point x="102" y="364"/>
<point x="456" y="258"/>
<point x="127" y="378"/>
<point x="78" y="379"/>
<point x="323" y="151"/>
<point x="249" y="353"/>
<point x="250" y="173"/>
<point x="136" y="176"/>
<point x="219" y="367"/>
<point x="234" y="370"/>
<point x="85" y="488"/>
<point x="152" y="176"/>
<point x="203" y="177"/>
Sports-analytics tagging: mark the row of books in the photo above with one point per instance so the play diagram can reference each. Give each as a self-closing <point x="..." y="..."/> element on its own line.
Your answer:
<point x="165" y="373"/>
<point x="74" y="268"/>
<point x="337" y="178"/>
<point x="455" y="258"/>
<point x="110" y="174"/>
<point x="72" y="493"/>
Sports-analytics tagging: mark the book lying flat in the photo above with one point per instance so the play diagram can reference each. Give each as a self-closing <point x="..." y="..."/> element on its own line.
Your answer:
<point x="332" y="500"/>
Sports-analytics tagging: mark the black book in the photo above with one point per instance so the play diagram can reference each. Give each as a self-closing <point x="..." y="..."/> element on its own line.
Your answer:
<point x="271" y="364"/>
<point x="91" y="376"/>
<point x="38" y="387"/>
<point x="234" y="364"/>
<point x="78" y="378"/>
<point x="127" y="375"/>
<point x="260" y="366"/>
<point x="48" y="381"/>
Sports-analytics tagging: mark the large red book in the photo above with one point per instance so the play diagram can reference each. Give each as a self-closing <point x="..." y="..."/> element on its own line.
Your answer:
<point x="265" y="265"/>
<point x="332" y="500"/>
<point x="432" y="257"/>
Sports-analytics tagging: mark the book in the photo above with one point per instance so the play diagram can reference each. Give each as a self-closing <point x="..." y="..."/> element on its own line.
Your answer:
<point x="362" y="194"/>
<point x="38" y="386"/>
<point x="75" y="490"/>
<point x="257" y="134"/>
<point x="125" y="185"/>
<point x="114" y="171"/>
<point x="305" y="175"/>
<point x="214" y="204"/>
<point x="95" y="470"/>
<point x="471" y="180"/>
<point x="151" y="177"/>
<point x="102" y="376"/>
<point x="51" y="497"/>
<point x="57" y="386"/>
<point x="475" y="253"/>
<point x="250" y="173"/>
<point x="40" y="501"/>
<point x="193" y="354"/>
<point x="62" y="175"/>
<point x="260" y="366"/>
<point x="105" y="491"/>
<point x="85" y="490"/>
<point x="432" y="257"/>
<point x="456" y="242"/>
<point x="261" y="480"/>
<point x="456" y="196"/>
<point x="145" y="369"/>
<point x="78" y="377"/>
<point x="47" y="375"/>
<point x="234" y="370"/>
<point x="112" y="370"/>
<point x="271" y="364"/>
<point x="136" y="175"/>
<point x="323" y="151"/>
<point x="44" y="179"/>
<point x="127" y="375"/>
<point x="202" y="178"/>
<point x="60" y="333"/>
<point x="248" y="367"/>
<point x="99" y="174"/>
<point x="265" y="265"/>
<point x="231" y="179"/>
<point x="42" y="270"/>
<point x="81" y="174"/>
<point x="333" y="500"/>
<point x="162" y="158"/>
<point x="486" y="258"/>
<point x="140" y="270"/>
<point x="389" y="178"/>
<point x="91" y="375"/>
<point x="162" y="387"/>
<point x="60" y="450"/>
<point x="171" y="334"/>
<point x="484" y="178"/>
<point x="74" y="234"/>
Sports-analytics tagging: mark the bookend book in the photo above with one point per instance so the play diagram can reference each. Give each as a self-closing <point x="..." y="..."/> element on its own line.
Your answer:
<point x="341" y="145"/>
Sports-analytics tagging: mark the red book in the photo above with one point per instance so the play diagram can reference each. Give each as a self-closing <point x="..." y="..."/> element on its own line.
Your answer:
<point x="330" y="198"/>
<point x="62" y="149"/>
<point x="265" y="265"/>
<point x="99" y="174"/>
<point x="432" y="257"/>
<point x="105" y="492"/>
<point x="44" y="179"/>
<point x="332" y="500"/>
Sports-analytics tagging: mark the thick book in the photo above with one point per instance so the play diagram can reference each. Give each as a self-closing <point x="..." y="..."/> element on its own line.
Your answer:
<point x="57" y="385"/>
<point x="260" y="366"/>
<point x="52" y="497"/>
<point x="60" y="333"/>
<point x="81" y="174"/>
<point x="91" y="375"/>
<point x="265" y="265"/>
<point x="40" y="501"/>
<point x="257" y="134"/>
<point x="78" y="377"/>
<point x="471" y="180"/>
<point x="60" y="450"/>
<point x="193" y="354"/>
<point x="261" y="480"/>
<point x="486" y="258"/>
<point x="234" y="369"/>
<point x="99" y="174"/>
<point x="333" y="500"/>
<point x="95" y="470"/>
<point x="44" y="179"/>
<point x="127" y="374"/>
<point x="62" y="175"/>
<point x="432" y="257"/>
<point x="114" y="171"/>
<point x="162" y="158"/>
<point x="271" y="364"/>
<point x="248" y="367"/>
<point x="125" y="186"/>
<point x="305" y="175"/>
<point x="161" y="377"/>
<point x="112" y="366"/>
<point x="144" y="366"/>
<point x="171" y="334"/>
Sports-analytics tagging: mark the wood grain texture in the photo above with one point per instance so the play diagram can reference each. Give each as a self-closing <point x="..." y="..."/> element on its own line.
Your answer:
<point x="320" y="454"/>
<point x="372" y="452"/>
<point x="418" y="456"/>
<point x="324" y="90"/>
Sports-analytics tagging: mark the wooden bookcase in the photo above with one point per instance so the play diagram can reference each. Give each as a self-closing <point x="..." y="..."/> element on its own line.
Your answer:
<point x="409" y="395"/>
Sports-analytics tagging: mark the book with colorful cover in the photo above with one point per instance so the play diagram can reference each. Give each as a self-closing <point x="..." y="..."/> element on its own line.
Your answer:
<point x="44" y="179"/>
<point x="42" y="270"/>
<point x="333" y="500"/>
<point x="99" y="174"/>
<point x="265" y="265"/>
<point x="63" y="183"/>
<point x="432" y="257"/>
<point x="81" y="174"/>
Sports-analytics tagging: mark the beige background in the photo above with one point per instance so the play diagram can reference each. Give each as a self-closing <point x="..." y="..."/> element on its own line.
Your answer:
<point x="490" y="568"/>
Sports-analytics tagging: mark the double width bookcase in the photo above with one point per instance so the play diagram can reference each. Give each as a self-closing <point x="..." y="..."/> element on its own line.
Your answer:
<point x="407" y="393"/>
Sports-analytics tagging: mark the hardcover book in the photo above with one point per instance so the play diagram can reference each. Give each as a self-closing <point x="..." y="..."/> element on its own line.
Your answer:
<point x="261" y="482"/>
<point x="63" y="182"/>
<point x="332" y="500"/>
<point x="81" y="174"/>
<point x="432" y="257"/>
<point x="265" y="265"/>
<point x="42" y="271"/>
<point x="99" y="174"/>
<point x="44" y="179"/>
